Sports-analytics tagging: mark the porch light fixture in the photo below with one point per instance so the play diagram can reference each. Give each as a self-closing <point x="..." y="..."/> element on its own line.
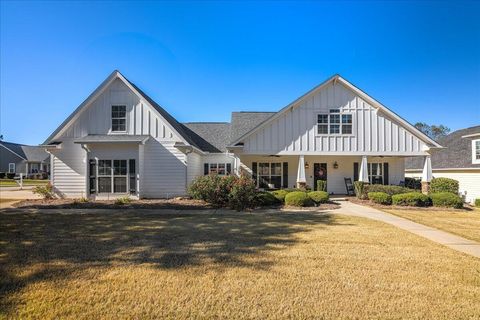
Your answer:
<point x="307" y="165"/>
<point x="335" y="165"/>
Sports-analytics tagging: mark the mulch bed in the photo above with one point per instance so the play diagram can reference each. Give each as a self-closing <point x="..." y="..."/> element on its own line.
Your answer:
<point x="369" y="203"/>
<point x="175" y="204"/>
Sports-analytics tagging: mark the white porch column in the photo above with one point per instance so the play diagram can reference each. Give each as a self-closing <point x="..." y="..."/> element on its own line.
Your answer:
<point x="427" y="175"/>
<point x="363" y="174"/>
<point x="301" y="180"/>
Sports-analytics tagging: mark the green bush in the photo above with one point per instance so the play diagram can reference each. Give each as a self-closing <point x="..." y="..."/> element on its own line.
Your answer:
<point x="380" y="198"/>
<point x="477" y="202"/>
<point x="45" y="191"/>
<point x="10" y="175"/>
<point x="123" y="200"/>
<point x="360" y="189"/>
<point x="2" y="175"/>
<point x="414" y="199"/>
<point x="298" y="199"/>
<point x="213" y="189"/>
<point x="318" y="196"/>
<point x="391" y="190"/>
<point x="321" y="185"/>
<point x="242" y="194"/>
<point x="413" y="183"/>
<point x="446" y="199"/>
<point x="444" y="185"/>
<point x="280" y="194"/>
<point x="266" y="199"/>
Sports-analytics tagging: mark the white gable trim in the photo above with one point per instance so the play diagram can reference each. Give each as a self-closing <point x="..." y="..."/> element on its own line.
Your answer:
<point x="98" y="91"/>
<point x="420" y="135"/>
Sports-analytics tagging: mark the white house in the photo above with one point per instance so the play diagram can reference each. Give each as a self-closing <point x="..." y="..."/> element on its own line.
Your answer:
<point x="459" y="160"/>
<point x="119" y="141"/>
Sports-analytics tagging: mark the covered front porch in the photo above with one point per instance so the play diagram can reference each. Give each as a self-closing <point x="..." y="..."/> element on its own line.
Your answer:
<point x="288" y="171"/>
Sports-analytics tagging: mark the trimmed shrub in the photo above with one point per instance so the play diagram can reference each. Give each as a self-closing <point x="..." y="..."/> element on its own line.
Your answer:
<point x="10" y="175"/>
<point x="446" y="199"/>
<point x="298" y="199"/>
<point x="280" y="194"/>
<point x="321" y="185"/>
<point x="266" y="199"/>
<point x="242" y="194"/>
<point x="414" y="199"/>
<point x="380" y="198"/>
<point x="359" y="187"/>
<point x="45" y="191"/>
<point x="413" y="183"/>
<point x="391" y="190"/>
<point x="2" y="175"/>
<point x="444" y="185"/>
<point x="213" y="189"/>
<point x="318" y="196"/>
<point x="477" y="202"/>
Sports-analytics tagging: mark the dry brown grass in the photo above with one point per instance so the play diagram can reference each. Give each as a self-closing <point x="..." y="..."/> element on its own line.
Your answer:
<point x="148" y="265"/>
<point x="460" y="222"/>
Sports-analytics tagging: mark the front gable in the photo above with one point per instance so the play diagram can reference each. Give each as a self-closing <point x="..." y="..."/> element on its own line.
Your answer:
<point x="94" y="116"/>
<point x="374" y="129"/>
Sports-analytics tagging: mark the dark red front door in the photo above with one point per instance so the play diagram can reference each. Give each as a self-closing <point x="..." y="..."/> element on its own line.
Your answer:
<point x="319" y="173"/>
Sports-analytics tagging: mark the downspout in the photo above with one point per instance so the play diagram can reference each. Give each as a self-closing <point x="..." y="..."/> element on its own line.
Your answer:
<point x="187" y="152"/>
<point x="84" y="147"/>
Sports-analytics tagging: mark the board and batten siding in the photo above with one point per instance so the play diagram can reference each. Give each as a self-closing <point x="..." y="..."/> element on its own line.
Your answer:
<point x="295" y="131"/>
<point x="96" y="117"/>
<point x="163" y="172"/>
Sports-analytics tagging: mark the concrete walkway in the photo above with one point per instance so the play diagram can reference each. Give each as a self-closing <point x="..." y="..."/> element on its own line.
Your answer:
<point x="447" y="239"/>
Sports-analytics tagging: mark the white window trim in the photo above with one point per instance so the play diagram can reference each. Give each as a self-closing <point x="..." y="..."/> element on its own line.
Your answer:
<point x="216" y="165"/>
<point x="10" y="167"/>
<point x="112" y="177"/>
<point x="111" y="119"/>
<point x="269" y="172"/>
<point x="474" y="150"/>
<point x="328" y="124"/>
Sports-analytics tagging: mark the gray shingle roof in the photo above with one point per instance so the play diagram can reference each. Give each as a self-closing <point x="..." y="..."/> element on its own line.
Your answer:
<point x="30" y="153"/>
<point x="244" y="121"/>
<point x="209" y="136"/>
<point x="457" y="152"/>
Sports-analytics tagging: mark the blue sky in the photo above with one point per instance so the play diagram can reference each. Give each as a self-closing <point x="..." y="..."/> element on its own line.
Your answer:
<point x="202" y="61"/>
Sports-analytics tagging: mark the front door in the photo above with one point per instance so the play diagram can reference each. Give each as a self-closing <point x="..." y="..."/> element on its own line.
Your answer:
<point x="319" y="173"/>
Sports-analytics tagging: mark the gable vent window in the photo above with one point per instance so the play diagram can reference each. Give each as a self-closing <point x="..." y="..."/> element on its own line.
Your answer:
<point x="119" y="118"/>
<point x="334" y="122"/>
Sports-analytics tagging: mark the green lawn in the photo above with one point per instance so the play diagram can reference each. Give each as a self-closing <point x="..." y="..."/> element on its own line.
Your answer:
<point x="150" y="264"/>
<point x="26" y="182"/>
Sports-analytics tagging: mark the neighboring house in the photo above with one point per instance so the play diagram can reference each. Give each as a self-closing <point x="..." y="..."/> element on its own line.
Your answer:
<point x="460" y="160"/>
<point x="19" y="158"/>
<point x="119" y="141"/>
